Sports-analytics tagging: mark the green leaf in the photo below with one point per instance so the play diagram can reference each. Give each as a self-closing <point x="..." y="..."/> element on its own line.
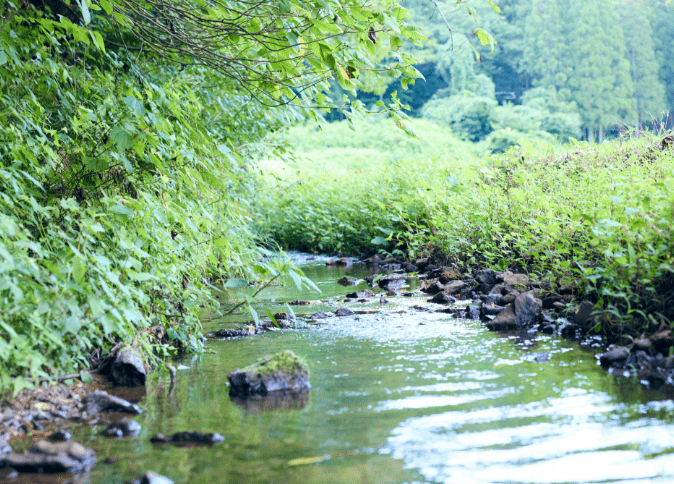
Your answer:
<point x="494" y="6"/>
<point x="86" y="377"/>
<point x="79" y="270"/>
<point x="106" y="6"/>
<point x="273" y="319"/>
<point x="135" y="105"/>
<point x="86" y="15"/>
<point x="121" y="210"/>
<point x="378" y="241"/>
<point x="483" y="37"/>
<point x="234" y="282"/>
<point x="121" y="138"/>
<point x="253" y="313"/>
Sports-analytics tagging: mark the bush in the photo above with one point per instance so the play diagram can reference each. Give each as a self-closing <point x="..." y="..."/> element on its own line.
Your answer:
<point x="467" y="114"/>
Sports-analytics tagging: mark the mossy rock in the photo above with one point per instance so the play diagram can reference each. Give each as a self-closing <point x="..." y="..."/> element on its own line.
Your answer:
<point x="283" y="372"/>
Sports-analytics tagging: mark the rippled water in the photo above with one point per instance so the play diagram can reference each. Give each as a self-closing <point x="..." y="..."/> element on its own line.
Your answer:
<point x="402" y="396"/>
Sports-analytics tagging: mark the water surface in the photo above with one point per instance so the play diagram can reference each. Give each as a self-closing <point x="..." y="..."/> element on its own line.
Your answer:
<point x="401" y="396"/>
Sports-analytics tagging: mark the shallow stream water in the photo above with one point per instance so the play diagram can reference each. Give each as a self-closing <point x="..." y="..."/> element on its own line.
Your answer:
<point x="399" y="396"/>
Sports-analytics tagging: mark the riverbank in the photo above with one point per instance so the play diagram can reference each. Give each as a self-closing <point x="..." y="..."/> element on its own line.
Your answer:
<point x="595" y="219"/>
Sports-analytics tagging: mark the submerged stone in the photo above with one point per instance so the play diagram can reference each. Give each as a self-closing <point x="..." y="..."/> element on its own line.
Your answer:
<point x="100" y="401"/>
<point x="152" y="478"/>
<point x="281" y="372"/>
<point x="123" y="428"/>
<point x="51" y="457"/>
<point x="188" y="438"/>
<point x="342" y="312"/>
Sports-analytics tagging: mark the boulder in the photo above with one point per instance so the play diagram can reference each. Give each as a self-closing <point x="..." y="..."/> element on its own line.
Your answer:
<point x="454" y="287"/>
<point x="584" y="315"/>
<point x="430" y="268"/>
<point x="392" y="282"/>
<point x="151" y="478"/>
<point x="615" y="357"/>
<point x="526" y="311"/>
<point x="123" y="428"/>
<point x="491" y="309"/>
<point x="519" y="282"/>
<point x="473" y="312"/>
<point x="411" y="268"/>
<point x="281" y="372"/>
<point x="642" y="344"/>
<point x="320" y="315"/>
<point x="498" y="289"/>
<point x="188" y="438"/>
<point x="342" y="312"/>
<point x="486" y="276"/>
<point x="507" y="299"/>
<point x="347" y="281"/>
<point x="128" y="369"/>
<point x="449" y="274"/>
<point x="100" y="401"/>
<point x="432" y="287"/>
<point x="663" y="341"/>
<point x="343" y="262"/>
<point x="51" y="457"/>
<point x="443" y="298"/>
<point x="232" y="333"/>
<point x="491" y="298"/>
<point x="421" y="263"/>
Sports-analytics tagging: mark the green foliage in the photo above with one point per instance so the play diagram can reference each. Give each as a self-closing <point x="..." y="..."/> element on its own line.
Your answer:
<point x="467" y="113"/>
<point x="600" y="215"/>
<point x="121" y="196"/>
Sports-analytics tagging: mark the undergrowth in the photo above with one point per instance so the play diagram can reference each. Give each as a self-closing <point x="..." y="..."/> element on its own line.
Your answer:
<point x="597" y="217"/>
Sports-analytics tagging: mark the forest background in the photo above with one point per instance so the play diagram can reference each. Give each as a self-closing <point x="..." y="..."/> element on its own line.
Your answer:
<point x="142" y="167"/>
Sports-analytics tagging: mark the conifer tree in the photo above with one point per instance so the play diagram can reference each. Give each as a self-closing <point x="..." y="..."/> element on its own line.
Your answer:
<point x="600" y="81"/>
<point x="649" y="92"/>
<point x="544" y="46"/>
<point x="663" y="30"/>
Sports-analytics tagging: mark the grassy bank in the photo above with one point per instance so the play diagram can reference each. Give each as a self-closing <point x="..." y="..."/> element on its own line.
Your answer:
<point x="597" y="215"/>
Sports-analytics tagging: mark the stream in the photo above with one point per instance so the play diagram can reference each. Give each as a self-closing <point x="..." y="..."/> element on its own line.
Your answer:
<point x="398" y="395"/>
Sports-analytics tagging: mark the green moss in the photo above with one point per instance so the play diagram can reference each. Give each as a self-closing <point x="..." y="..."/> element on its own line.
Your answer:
<point x="283" y="361"/>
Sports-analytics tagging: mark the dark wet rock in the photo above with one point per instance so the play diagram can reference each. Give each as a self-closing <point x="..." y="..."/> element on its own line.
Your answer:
<point x="526" y="311"/>
<point x="392" y="267"/>
<point x="100" y="401"/>
<point x="569" y="330"/>
<point x="549" y="301"/>
<point x="548" y="329"/>
<point x="232" y="333"/>
<point x="584" y="315"/>
<point x="491" y="298"/>
<point x="429" y="268"/>
<point x="663" y="341"/>
<point x="151" y="478"/>
<point x="8" y="473"/>
<point x="449" y="274"/>
<point x="421" y="263"/>
<point x="498" y="289"/>
<point x="375" y="260"/>
<point x="51" y="457"/>
<point x="361" y="294"/>
<point x="519" y="282"/>
<point x="370" y="280"/>
<point x="483" y="288"/>
<point x="284" y="316"/>
<point x="409" y="294"/>
<point x="128" y="369"/>
<point x="188" y="438"/>
<point x="667" y="362"/>
<point x="454" y="287"/>
<point x="507" y="299"/>
<point x="473" y="312"/>
<point x="615" y="357"/>
<point x="343" y="262"/>
<point x="123" y="428"/>
<point x="642" y="344"/>
<point x="432" y="287"/>
<point x="281" y="372"/>
<point x="275" y="401"/>
<point x="60" y="436"/>
<point x="347" y="281"/>
<point x="486" y="276"/>
<point x="491" y="310"/>
<point x="320" y="315"/>
<point x="411" y="268"/>
<point x="392" y="282"/>
<point x="299" y="303"/>
<point x="342" y="312"/>
<point x="443" y="298"/>
<point x="280" y="324"/>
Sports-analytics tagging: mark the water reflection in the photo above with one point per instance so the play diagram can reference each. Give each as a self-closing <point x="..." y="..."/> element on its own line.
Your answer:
<point x="394" y="402"/>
